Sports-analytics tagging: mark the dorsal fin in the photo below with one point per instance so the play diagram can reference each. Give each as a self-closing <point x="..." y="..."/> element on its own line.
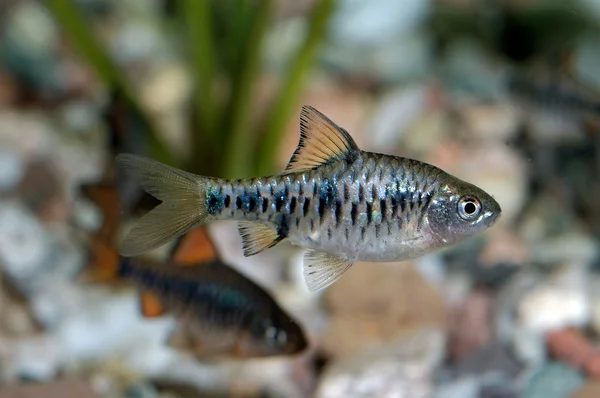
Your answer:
<point x="321" y="141"/>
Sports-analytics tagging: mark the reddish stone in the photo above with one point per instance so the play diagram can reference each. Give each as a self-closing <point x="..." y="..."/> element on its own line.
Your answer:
<point x="571" y="346"/>
<point x="471" y="326"/>
<point x="59" y="389"/>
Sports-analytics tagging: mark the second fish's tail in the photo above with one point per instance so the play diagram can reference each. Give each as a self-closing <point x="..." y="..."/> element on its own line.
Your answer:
<point x="183" y="206"/>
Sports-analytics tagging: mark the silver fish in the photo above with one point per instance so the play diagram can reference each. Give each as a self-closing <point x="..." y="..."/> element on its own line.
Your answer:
<point x="340" y="203"/>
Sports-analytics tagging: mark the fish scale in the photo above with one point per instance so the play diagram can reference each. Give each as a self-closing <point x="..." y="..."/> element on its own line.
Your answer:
<point x="340" y="203"/>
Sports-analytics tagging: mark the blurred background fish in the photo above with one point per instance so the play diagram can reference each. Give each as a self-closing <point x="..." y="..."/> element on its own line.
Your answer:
<point x="220" y="312"/>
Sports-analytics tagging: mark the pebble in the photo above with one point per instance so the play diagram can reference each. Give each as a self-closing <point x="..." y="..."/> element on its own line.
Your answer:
<point x="469" y="72"/>
<point x="12" y="169"/>
<point x="491" y="362"/>
<point x="571" y="246"/>
<point x="496" y="122"/>
<point x="591" y="389"/>
<point x="505" y="247"/>
<point x="24" y="243"/>
<point x="553" y="380"/>
<point x="15" y="318"/>
<point x="471" y="328"/>
<point x="379" y="20"/>
<point x="465" y="387"/>
<point x="561" y="301"/>
<point x="55" y="389"/>
<point x="394" y="114"/>
<point x="401" y="368"/>
<point x="401" y="303"/>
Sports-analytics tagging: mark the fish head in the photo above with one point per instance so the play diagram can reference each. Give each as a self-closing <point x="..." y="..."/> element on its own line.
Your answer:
<point x="459" y="210"/>
<point x="272" y="335"/>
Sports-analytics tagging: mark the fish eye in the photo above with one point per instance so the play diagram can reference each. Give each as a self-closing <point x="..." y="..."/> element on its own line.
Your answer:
<point x="469" y="208"/>
<point x="276" y="336"/>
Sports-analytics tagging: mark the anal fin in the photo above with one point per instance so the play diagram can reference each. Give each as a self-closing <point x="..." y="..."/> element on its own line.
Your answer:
<point x="150" y="305"/>
<point x="180" y="339"/>
<point x="322" y="269"/>
<point x="257" y="237"/>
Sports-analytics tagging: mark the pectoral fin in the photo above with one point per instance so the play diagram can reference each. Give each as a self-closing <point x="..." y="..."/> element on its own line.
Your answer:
<point x="322" y="269"/>
<point x="180" y="339"/>
<point x="257" y="237"/>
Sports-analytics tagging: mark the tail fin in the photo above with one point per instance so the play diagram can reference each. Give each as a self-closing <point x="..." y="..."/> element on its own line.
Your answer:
<point x="183" y="205"/>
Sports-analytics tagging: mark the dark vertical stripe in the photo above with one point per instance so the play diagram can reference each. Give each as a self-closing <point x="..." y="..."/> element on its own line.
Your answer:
<point x="329" y="234"/>
<point x="394" y="201"/>
<point x="363" y="230"/>
<point x="377" y="231"/>
<point x="284" y="226"/>
<point x="423" y="210"/>
<point x="312" y="224"/>
<point x="306" y="206"/>
<point x="338" y="212"/>
<point x="369" y="212"/>
<point x="265" y="204"/>
<point x="251" y="203"/>
<point x="227" y="201"/>
<point x="347" y="233"/>
<point x="238" y="202"/>
<point x="278" y="202"/>
<point x="361" y="193"/>
<point x="346" y="192"/>
<point x="293" y="205"/>
<point x="354" y="213"/>
<point x="382" y="206"/>
<point x="321" y="210"/>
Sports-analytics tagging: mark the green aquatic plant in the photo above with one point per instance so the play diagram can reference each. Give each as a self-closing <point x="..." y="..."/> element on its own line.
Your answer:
<point x="223" y="42"/>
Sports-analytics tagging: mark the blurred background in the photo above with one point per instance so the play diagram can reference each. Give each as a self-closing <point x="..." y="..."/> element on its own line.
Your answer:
<point x="501" y="93"/>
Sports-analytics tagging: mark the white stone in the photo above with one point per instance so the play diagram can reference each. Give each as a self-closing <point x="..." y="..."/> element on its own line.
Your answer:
<point x="573" y="246"/>
<point x="394" y="114"/>
<point x="32" y="26"/>
<point x="24" y="243"/>
<point x="12" y="169"/>
<point x="401" y="369"/>
<point x="379" y="20"/>
<point x="561" y="301"/>
<point x="465" y="387"/>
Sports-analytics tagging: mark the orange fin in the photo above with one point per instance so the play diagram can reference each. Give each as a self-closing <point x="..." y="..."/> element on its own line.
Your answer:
<point x="106" y="197"/>
<point x="194" y="247"/>
<point x="104" y="263"/>
<point x="150" y="305"/>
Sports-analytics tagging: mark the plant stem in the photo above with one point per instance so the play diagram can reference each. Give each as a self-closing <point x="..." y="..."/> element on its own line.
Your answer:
<point x="198" y="18"/>
<point x="82" y="37"/>
<point x="236" y="159"/>
<point x="291" y="88"/>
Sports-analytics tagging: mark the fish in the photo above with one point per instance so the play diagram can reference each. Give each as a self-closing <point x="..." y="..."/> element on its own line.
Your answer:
<point x="339" y="203"/>
<point x="220" y="312"/>
<point x="202" y="320"/>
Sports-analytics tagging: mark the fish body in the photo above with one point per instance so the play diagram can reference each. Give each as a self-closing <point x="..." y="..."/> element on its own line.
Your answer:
<point x="221" y="312"/>
<point x="340" y="203"/>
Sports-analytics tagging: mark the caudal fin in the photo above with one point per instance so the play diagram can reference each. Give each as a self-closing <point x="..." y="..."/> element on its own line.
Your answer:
<point x="183" y="205"/>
